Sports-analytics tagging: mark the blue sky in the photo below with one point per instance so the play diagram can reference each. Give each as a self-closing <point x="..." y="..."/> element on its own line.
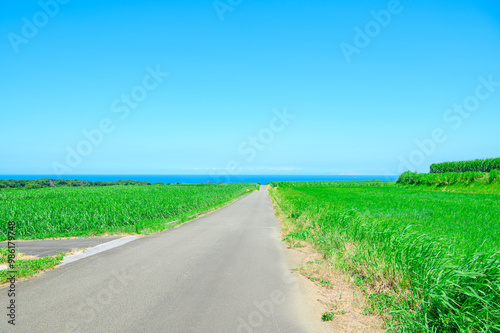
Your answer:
<point x="257" y="87"/>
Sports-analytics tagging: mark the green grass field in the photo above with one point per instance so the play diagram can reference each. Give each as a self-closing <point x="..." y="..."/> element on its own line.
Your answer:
<point x="86" y="211"/>
<point x="430" y="258"/>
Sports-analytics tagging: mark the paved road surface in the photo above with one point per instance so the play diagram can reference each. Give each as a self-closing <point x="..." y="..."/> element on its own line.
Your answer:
<point x="50" y="247"/>
<point x="224" y="272"/>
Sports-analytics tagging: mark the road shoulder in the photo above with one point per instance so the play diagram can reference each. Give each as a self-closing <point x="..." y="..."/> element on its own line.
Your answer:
<point x="337" y="295"/>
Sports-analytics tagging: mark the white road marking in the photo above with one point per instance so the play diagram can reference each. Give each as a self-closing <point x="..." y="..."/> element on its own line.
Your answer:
<point x="97" y="249"/>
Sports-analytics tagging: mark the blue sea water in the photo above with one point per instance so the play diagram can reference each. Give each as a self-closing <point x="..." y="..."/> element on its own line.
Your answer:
<point x="197" y="179"/>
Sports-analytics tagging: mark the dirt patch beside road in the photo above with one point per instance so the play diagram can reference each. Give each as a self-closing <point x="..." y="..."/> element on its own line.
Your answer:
<point x="328" y="291"/>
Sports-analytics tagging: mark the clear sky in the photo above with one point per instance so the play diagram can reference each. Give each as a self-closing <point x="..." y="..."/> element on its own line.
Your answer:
<point x="262" y="87"/>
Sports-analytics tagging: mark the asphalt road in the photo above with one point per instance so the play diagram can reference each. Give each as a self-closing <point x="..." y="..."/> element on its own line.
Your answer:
<point x="50" y="247"/>
<point x="225" y="272"/>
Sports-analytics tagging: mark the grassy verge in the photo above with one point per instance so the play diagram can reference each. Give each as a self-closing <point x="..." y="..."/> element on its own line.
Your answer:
<point x="25" y="268"/>
<point x="91" y="211"/>
<point x="428" y="261"/>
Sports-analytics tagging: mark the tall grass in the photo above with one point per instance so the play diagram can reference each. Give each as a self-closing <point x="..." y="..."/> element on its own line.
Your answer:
<point x="437" y="253"/>
<point x="481" y="165"/>
<point x="68" y="211"/>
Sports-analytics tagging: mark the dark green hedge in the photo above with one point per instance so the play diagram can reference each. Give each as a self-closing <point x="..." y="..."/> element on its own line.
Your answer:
<point x="485" y="165"/>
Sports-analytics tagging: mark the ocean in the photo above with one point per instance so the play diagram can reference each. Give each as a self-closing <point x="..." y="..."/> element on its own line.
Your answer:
<point x="197" y="179"/>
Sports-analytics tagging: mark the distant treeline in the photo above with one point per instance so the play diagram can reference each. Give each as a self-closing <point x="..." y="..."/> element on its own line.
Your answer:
<point x="48" y="182"/>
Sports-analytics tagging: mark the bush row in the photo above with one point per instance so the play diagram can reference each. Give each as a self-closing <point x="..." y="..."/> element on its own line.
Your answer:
<point x="485" y="165"/>
<point x="446" y="178"/>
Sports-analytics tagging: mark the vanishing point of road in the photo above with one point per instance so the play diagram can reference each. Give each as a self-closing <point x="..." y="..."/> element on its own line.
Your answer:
<point x="224" y="272"/>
